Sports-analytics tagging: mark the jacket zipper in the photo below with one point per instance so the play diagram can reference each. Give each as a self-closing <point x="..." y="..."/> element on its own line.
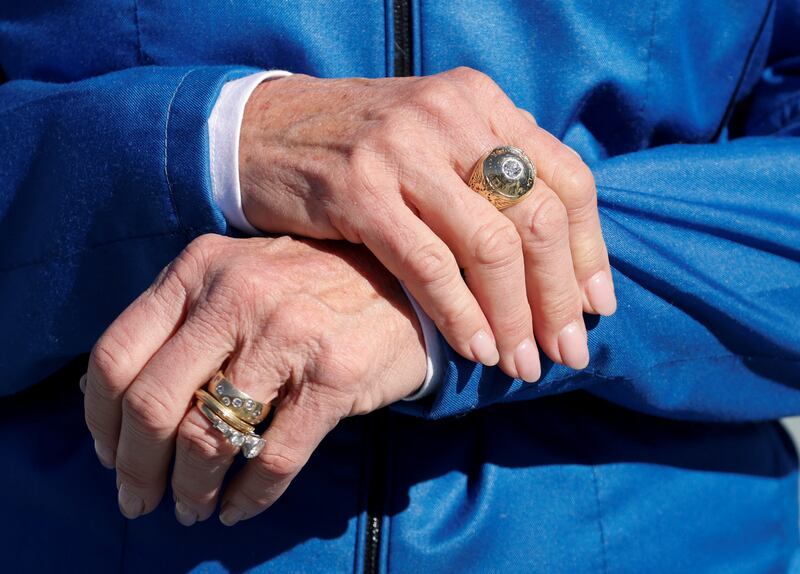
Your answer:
<point x="401" y="14"/>
<point x="377" y="491"/>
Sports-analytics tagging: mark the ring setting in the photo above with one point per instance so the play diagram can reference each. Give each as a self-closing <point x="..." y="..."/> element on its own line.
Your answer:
<point x="233" y="413"/>
<point x="504" y="176"/>
<point x="245" y="407"/>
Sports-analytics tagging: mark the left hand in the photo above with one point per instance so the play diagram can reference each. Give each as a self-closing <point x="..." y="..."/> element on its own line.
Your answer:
<point x="322" y="327"/>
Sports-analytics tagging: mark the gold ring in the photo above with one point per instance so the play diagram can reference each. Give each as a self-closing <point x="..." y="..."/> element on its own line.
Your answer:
<point x="504" y="176"/>
<point x="251" y="444"/>
<point x="222" y="411"/>
<point x="243" y="405"/>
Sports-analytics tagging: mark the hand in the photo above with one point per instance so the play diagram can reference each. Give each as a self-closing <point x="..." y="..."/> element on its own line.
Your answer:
<point x="383" y="162"/>
<point x="322" y="327"/>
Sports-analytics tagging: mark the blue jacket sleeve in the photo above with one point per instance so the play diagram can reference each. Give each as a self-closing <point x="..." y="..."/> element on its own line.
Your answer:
<point x="704" y="241"/>
<point x="102" y="182"/>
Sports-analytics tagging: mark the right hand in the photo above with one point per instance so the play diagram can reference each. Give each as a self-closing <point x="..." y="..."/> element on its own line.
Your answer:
<point x="383" y="162"/>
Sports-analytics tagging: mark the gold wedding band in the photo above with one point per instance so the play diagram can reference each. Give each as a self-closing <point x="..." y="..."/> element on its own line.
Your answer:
<point x="504" y="176"/>
<point x="240" y="403"/>
<point x="223" y="412"/>
<point x="233" y="413"/>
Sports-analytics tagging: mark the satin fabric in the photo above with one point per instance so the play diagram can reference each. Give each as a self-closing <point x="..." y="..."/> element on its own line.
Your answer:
<point x="661" y="456"/>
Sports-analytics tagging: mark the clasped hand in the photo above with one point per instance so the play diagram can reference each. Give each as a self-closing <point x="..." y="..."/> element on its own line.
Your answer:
<point x="322" y="329"/>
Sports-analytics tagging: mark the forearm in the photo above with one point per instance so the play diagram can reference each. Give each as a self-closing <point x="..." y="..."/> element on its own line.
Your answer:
<point x="705" y="246"/>
<point x="102" y="182"/>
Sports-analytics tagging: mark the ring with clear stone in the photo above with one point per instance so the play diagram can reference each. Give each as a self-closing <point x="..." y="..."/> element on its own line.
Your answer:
<point x="223" y="412"/>
<point x="246" y="407"/>
<point x="504" y="176"/>
<point x="250" y="443"/>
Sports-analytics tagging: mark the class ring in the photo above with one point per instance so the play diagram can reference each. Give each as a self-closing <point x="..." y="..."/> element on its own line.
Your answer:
<point x="504" y="176"/>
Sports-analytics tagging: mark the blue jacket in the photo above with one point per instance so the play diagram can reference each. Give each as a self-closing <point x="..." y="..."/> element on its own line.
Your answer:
<point x="662" y="456"/>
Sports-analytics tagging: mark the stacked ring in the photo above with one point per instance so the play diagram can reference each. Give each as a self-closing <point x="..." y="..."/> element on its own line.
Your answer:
<point x="245" y="408"/>
<point x="225" y="412"/>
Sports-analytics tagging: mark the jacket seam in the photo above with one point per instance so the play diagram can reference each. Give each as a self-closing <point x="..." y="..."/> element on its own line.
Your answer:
<point x="779" y="448"/>
<point x="650" y="44"/>
<point x="139" y="53"/>
<point x="726" y="116"/>
<point x="186" y="230"/>
<point x="600" y="527"/>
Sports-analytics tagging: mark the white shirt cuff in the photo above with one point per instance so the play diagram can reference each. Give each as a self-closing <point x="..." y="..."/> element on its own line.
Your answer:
<point x="433" y="347"/>
<point x="224" y="128"/>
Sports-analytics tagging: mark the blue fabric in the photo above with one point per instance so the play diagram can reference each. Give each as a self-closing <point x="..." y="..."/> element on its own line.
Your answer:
<point x="652" y="459"/>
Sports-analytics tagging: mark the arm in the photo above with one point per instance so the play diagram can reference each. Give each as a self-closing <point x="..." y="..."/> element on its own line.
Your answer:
<point x="705" y="247"/>
<point x="709" y="277"/>
<point x="102" y="182"/>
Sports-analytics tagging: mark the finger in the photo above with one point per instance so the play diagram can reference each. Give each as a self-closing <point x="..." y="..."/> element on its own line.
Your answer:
<point x="202" y="457"/>
<point x="552" y="287"/>
<point x="487" y="245"/>
<point x="202" y="454"/>
<point x="121" y="353"/>
<point x="297" y="429"/>
<point x="570" y="178"/>
<point x="564" y="171"/>
<point x="155" y="404"/>
<point x="414" y="254"/>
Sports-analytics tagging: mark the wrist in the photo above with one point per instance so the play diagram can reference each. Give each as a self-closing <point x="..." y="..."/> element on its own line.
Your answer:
<point x="224" y="129"/>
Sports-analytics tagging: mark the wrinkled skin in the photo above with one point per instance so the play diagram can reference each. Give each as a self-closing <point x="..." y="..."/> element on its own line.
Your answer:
<point x="383" y="162"/>
<point x="321" y="328"/>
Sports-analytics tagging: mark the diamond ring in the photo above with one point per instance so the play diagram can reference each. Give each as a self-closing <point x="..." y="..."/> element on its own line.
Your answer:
<point x="243" y="405"/>
<point x="250" y="443"/>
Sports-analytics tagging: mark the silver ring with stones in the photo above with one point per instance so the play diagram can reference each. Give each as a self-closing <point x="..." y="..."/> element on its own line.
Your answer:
<point x="250" y="443"/>
<point x="243" y="405"/>
<point x="504" y="176"/>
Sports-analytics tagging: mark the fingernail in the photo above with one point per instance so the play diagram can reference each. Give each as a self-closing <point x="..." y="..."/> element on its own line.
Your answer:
<point x="484" y="349"/>
<point x="526" y="359"/>
<point x="573" y="347"/>
<point x="104" y="454"/>
<point x="230" y="515"/>
<point x="600" y="293"/>
<point x="129" y="503"/>
<point x="185" y="515"/>
<point x="82" y="384"/>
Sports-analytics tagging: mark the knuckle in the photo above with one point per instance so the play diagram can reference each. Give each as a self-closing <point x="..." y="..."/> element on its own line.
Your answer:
<point x="561" y="308"/>
<point x="431" y="264"/>
<point x="277" y="467"/>
<point x="205" y="244"/>
<point x="333" y="364"/>
<point x="109" y="362"/>
<point x="577" y="180"/>
<point x="98" y="426"/>
<point x="367" y="164"/>
<point x="472" y="76"/>
<point x="496" y="243"/>
<point x="437" y="96"/>
<point x="589" y="258"/>
<point x="132" y="474"/>
<point x="549" y="221"/>
<point x="200" y="449"/>
<point x="461" y="314"/>
<point x="147" y="410"/>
